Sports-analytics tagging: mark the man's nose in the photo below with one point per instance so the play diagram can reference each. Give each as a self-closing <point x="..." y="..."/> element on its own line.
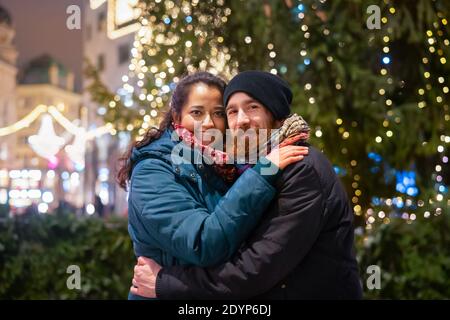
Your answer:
<point x="242" y="119"/>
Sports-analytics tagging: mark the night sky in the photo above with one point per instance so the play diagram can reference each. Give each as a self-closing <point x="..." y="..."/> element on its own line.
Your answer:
<point x="41" y="28"/>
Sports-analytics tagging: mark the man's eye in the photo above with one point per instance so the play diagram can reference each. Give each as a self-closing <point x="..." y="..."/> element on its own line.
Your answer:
<point x="254" y="106"/>
<point x="231" y="112"/>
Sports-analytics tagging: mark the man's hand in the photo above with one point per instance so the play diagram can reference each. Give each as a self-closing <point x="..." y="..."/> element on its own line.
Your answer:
<point x="144" y="279"/>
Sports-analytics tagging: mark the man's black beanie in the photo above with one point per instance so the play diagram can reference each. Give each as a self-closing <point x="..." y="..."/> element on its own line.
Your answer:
<point x="270" y="90"/>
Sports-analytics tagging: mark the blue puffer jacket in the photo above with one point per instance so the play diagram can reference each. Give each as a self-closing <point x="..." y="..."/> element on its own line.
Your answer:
<point x="181" y="214"/>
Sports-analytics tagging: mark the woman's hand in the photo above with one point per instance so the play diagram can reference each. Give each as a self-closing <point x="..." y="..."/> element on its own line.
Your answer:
<point x="285" y="155"/>
<point x="144" y="279"/>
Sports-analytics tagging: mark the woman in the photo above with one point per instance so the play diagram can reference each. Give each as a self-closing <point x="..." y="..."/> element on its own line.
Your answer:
<point x="182" y="214"/>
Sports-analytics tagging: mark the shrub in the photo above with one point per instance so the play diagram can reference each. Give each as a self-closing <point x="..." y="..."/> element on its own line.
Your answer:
<point x="36" y="251"/>
<point x="414" y="259"/>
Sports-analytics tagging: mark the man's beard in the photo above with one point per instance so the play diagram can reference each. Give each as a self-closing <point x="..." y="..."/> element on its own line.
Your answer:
<point x="249" y="145"/>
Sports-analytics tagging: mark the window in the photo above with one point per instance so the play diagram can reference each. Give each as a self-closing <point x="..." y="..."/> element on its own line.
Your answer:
<point x="126" y="12"/>
<point x="101" y="62"/>
<point x="124" y="53"/>
<point x="124" y="15"/>
<point x="101" y="26"/>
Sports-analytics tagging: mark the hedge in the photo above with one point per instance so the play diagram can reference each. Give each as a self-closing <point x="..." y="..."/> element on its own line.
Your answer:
<point x="36" y="251"/>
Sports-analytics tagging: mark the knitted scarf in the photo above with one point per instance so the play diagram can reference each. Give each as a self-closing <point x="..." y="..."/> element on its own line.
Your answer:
<point x="294" y="129"/>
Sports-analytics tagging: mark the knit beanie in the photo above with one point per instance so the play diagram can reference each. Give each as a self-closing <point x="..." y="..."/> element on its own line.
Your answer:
<point x="270" y="90"/>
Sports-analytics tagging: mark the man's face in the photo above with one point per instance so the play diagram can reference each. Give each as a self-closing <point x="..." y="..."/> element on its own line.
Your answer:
<point x="245" y="113"/>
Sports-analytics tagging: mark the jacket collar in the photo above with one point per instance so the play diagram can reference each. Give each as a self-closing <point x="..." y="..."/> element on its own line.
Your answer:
<point x="171" y="150"/>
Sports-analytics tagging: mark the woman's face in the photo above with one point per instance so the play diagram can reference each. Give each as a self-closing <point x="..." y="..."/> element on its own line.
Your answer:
<point x="203" y="110"/>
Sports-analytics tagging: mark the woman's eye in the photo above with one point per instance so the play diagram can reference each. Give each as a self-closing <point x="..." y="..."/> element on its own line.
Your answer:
<point x="220" y="114"/>
<point x="195" y="113"/>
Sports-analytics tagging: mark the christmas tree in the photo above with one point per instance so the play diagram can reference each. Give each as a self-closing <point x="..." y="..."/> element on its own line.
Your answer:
<point x="372" y="81"/>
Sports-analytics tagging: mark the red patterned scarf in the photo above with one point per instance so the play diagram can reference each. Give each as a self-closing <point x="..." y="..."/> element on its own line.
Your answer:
<point x="294" y="128"/>
<point x="228" y="172"/>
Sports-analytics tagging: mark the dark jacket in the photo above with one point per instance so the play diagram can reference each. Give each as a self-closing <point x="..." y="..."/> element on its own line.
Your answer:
<point x="181" y="213"/>
<point x="302" y="249"/>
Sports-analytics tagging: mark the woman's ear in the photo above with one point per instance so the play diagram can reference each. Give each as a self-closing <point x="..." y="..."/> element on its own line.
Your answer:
<point x="176" y="117"/>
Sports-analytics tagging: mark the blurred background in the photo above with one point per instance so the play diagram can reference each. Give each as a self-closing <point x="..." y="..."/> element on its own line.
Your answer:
<point x="81" y="79"/>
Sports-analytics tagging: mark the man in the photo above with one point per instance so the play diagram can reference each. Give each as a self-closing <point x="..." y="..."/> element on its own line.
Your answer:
<point x="302" y="248"/>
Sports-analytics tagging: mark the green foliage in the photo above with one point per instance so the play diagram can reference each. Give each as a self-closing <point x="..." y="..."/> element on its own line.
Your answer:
<point x="101" y="94"/>
<point x="342" y="76"/>
<point x="344" y="79"/>
<point x="414" y="259"/>
<point x="36" y="251"/>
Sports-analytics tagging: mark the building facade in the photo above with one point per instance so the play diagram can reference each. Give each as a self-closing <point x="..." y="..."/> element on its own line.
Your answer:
<point x="109" y="32"/>
<point x="8" y="72"/>
<point x="43" y="82"/>
<point x="42" y="175"/>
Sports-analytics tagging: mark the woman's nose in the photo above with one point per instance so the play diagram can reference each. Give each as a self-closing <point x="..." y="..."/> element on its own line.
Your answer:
<point x="207" y="123"/>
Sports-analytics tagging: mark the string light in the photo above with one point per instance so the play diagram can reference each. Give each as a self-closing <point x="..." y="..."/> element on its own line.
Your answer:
<point x="386" y="61"/>
<point x="46" y="143"/>
<point x="26" y="121"/>
<point x="153" y="83"/>
<point x="156" y="37"/>
<point x="434" y="48"/>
